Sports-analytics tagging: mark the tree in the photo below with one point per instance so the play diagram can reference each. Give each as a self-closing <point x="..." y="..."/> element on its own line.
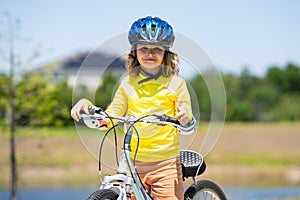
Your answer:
<point x="9" y="88"/>
<point x="11" y="108"/>
<point x="3" y="98"/>
<point x="105" y="91"/>
<point x="287" y="108"/>
<point x="204" y="99"/>
<point x="292" y="78"/>
<point x="285" y="80"/>
<point x="43" y="102"/>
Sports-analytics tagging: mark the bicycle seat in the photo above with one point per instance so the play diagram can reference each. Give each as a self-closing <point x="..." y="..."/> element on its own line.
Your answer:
<point x="192" y="163"/>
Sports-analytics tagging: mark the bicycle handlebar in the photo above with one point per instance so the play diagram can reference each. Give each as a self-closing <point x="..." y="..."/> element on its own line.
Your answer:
<point x="93" y="119"/>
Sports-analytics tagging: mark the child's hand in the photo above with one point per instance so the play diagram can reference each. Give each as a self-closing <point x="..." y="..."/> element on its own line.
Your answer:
<point x="81" y="105"/>
<point x="182" y="115"/>
<point x="104" y="123"/>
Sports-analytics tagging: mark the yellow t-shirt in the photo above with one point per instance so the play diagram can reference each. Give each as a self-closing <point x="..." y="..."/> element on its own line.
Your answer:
<point x="159" y="96"/>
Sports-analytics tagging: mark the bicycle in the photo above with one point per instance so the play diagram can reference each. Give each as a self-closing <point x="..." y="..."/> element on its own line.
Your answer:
<point x="119" y="185"/>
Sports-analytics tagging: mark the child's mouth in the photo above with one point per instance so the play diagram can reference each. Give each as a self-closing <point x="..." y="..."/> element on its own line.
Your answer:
<point x="149" y="60"/>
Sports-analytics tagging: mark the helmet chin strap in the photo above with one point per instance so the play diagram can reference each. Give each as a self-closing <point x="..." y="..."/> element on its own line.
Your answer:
<point x="149" y="75"/>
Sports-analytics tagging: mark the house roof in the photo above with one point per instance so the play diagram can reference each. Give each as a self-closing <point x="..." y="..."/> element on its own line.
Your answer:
<point x="89" y="61"/>
<point x="92" y="60"/>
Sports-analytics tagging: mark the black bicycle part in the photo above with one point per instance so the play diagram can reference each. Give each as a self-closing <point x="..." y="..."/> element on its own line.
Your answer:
<point x="101" y="146"/>
<point x="103" y="194"/>
<point x="125" y="138"/>
<point x="98" y="111"/>
<point x="204" y="189"/>
<point x="192" y="163"/>
<point x="137" y="146"/>
<point x="166" y="118"/>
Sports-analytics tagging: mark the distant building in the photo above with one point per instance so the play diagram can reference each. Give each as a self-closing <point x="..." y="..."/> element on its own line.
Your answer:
<point x="86" y="69"/>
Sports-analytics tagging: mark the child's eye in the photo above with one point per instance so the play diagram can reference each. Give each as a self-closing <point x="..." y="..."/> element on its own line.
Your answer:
<point x="144" y="49"/>
<point x="157" y="50"/>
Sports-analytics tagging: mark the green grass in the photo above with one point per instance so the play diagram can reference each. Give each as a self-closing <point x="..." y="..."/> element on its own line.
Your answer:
<point x="253" y="160"/>
<point x="40" y="131"/>
<point x="238" y="158"/>
<point x="225" y="157"/>
<point x="46" y="131"/>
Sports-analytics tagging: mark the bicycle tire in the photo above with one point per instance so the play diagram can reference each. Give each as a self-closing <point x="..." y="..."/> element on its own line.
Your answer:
<point x="204" y="190"/>
<point x="103" y="194"/>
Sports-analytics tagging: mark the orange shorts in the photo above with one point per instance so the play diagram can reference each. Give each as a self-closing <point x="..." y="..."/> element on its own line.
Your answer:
<point x="162" y="179"/>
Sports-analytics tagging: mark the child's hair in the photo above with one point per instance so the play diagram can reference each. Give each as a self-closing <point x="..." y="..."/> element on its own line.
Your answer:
<point x="169" y="65"/>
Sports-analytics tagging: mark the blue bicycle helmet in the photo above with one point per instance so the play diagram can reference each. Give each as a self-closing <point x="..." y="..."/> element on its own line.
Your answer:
<point x="151" y="30"/>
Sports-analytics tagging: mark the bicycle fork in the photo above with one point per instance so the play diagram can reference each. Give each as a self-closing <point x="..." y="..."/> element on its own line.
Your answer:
<point x="121" y="183"/>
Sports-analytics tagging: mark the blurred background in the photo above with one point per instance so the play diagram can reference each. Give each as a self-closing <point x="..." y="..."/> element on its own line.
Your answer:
<point x="255" y="46"/>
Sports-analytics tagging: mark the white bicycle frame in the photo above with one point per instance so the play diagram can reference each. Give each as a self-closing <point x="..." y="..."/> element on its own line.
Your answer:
<point x="121" y="182"/>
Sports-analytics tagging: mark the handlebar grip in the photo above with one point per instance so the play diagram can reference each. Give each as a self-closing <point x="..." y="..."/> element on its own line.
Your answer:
<point x="184" y="130"/>
<point x="95" y="110"/>
<point x="172" y="120"/>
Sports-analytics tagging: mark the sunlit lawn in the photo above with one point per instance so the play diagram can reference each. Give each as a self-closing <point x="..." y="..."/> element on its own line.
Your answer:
<point x="245" y="154"/>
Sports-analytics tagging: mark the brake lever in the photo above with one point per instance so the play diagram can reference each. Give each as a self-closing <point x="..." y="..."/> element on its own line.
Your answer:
<point x="92" y="120"/>
<point x="96" y="110"/>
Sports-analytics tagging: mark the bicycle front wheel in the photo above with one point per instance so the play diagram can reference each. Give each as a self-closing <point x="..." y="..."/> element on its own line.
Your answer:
<point x="103" y="194"/>
<point x="204" y="190"/>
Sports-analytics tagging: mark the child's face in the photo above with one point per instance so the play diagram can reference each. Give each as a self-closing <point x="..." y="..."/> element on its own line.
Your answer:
<point x="150" y="56"/>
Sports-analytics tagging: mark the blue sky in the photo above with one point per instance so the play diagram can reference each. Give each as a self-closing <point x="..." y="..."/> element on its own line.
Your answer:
<point x="236" y="34"/>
